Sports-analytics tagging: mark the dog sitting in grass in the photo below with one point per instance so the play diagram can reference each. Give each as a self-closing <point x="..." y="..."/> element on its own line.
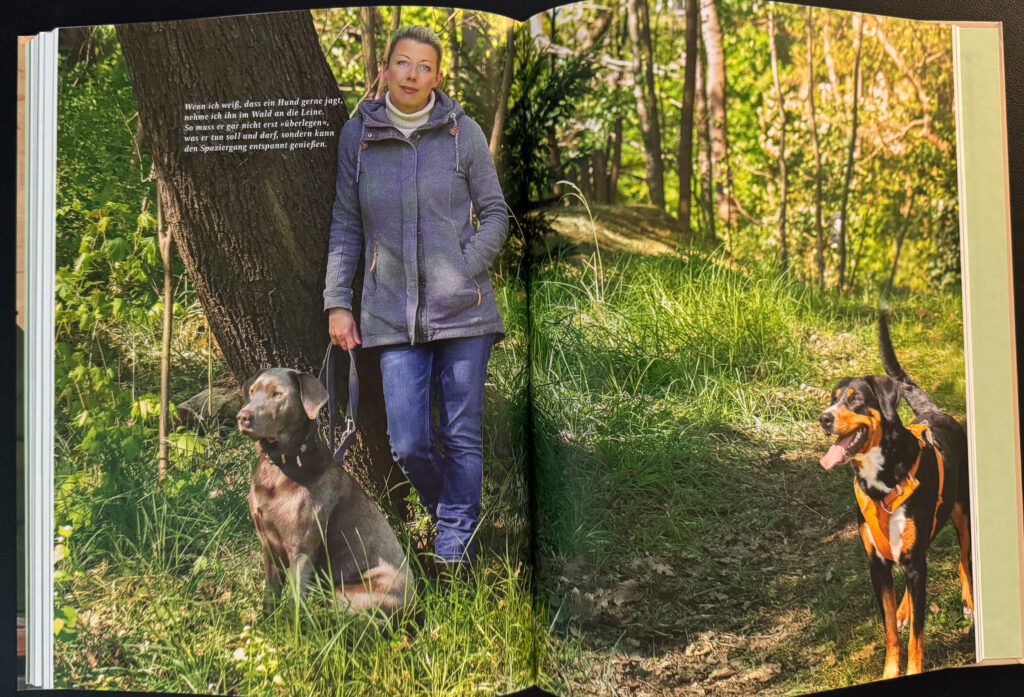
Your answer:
<point x="313" y="519"/>
<point x="908" y="481"/>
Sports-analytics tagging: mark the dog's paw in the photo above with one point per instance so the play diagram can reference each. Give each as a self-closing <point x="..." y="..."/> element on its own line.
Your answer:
<point x="968" y="613"/>
<point x="902" y="623"/>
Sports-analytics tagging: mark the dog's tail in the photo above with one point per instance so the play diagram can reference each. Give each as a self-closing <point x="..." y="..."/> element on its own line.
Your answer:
<point x="917" y="398"/>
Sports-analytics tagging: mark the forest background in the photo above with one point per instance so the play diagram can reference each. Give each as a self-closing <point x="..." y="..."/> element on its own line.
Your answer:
<point x="798" y="149"/>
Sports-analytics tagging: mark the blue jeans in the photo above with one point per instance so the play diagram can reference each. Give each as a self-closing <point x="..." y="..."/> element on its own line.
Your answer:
<point x="449" y="483"/>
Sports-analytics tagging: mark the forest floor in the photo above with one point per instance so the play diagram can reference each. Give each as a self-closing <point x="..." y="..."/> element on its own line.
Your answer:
<point x="711" y="555"/>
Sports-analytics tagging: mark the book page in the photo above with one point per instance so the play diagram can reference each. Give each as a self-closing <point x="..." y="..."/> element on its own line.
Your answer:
<point x="720" y="215"/>
<point x="198" y="186"/>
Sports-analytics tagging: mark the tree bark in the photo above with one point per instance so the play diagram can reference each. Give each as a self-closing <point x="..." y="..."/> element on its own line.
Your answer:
<point x="685" y="159"/>
<point x="717" y="122"/>
<point x="368" y="20"/>
<point x="646" y="97"/>
<point x="819" y="230"/>
<point x="251" y="229"/>
<point x="858" y="22"/>
<point x="783" y="179"/>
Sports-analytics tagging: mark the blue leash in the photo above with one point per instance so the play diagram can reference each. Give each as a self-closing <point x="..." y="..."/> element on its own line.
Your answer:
<point x="326" y="379"/>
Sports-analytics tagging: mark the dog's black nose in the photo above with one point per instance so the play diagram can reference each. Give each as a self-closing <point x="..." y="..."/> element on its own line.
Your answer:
<point x="826" y="421"/>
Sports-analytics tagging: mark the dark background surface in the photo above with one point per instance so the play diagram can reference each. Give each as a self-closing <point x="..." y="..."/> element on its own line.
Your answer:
<point x="32" y="17"/>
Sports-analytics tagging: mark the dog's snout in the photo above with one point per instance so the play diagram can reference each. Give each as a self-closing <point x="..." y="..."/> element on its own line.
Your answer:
<point x="827" y="420"/>
<point x="244" y="418"/>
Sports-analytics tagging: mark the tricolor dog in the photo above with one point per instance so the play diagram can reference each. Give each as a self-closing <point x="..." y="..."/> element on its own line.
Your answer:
<point x="908" y="480"/>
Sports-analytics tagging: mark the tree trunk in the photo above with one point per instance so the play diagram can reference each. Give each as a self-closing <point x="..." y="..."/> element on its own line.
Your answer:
<point x="783" y="179"/>
<point x="166" y="244"/>
<point x="819" y="230"/>
<point x="717" y="122"/>
<point x="707" y="180"/>
<point x="646" y="97"/>
<point x="685" y="159"/>
<point x="858" y="23"/>
<point x="615" y="167"/>
<point x="498" y="132"/>
<point x="453" y="51"/>
<point x="252" y="228"/>
<point x="901" y="234"/>
<point x="396" y="22"/>
<point x="599" y="164"/>
<point x="368" y="20"/>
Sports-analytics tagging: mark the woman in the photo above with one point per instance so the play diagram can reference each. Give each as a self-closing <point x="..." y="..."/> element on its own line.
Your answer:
<point x="409" y="167"/>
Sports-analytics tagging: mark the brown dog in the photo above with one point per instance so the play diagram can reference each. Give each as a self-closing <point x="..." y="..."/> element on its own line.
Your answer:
<point x="311" y="516"/>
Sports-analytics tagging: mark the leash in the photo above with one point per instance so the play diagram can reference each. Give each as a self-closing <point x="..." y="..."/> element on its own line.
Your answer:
<point x="326" y="379"/>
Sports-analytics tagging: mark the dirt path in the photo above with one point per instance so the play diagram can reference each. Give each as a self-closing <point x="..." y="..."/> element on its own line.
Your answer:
<point x="769" y="604"/>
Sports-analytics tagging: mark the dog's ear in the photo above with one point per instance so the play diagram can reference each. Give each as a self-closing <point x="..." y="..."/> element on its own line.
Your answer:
<point x="888" y="393"/>
<point x="314" y="395"/>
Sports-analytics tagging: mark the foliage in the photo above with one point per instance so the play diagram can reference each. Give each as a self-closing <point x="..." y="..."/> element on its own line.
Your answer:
<point x="545" y="92"/>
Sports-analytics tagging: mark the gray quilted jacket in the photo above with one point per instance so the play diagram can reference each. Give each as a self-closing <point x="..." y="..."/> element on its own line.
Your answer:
<point x="404" y="205"/>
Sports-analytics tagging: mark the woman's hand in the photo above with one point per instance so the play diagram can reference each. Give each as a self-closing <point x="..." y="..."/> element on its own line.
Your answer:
<point x="342" y="328"/>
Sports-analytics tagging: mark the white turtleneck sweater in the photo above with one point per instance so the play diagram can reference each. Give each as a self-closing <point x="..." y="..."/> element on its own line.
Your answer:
<point x="407" y="123"/>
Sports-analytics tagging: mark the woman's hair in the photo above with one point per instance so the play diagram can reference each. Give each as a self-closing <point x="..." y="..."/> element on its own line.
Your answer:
<point x="419" y="34"/>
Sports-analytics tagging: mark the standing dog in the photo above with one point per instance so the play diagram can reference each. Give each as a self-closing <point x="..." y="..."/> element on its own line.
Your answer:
<point x="311" y="516"/>
<point x="908" y="481"/>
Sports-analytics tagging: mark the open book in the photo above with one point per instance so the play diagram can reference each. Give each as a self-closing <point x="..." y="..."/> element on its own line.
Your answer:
<point x="703" y="225"/>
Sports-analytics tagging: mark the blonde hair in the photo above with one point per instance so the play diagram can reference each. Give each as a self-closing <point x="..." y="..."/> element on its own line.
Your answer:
<point x="421" y="35"/>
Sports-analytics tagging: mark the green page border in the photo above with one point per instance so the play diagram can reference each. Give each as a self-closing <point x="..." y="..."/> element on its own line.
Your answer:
<point x="993" y="427"/>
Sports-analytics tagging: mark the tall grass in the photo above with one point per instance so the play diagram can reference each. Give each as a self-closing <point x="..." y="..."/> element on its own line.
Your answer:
<point x="165" y="583"/>
<point x="675" y="404"/>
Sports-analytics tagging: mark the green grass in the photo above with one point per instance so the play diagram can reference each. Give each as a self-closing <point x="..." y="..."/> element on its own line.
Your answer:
<point x="675" y="411"/>
<point x="685" y="532"/>
<point x="165" y="583"/>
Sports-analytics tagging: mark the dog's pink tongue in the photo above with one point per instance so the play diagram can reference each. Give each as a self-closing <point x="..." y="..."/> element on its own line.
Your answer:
<point x="835" y="454"/>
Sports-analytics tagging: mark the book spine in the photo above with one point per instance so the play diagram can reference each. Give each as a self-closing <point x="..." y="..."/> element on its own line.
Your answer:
<point x="41" y="180"/>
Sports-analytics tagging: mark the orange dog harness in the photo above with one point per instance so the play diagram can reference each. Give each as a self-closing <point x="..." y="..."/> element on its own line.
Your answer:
<point x="877" y="513"/>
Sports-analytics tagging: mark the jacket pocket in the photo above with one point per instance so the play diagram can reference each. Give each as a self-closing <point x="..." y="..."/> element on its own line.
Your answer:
<point x="371" y="271"/>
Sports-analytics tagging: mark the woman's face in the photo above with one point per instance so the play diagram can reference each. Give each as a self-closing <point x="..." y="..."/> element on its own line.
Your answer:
<point x="411" y="73"/>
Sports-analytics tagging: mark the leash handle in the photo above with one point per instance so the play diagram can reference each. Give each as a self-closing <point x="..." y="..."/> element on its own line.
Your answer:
<point x="327" y="380"/>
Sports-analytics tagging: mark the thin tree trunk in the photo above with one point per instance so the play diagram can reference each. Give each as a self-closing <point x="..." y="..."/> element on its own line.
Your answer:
<point x="819" y="230"/>
<point x="396" y="22"/>
<point x="826" y="47"/>
<point x="685" y="158"/>
<point x="858" y="23"/>
<point x="498" y="132"/>
<point x="166" y="244"/>
<point x="901" y="234"/>
<point x="454" y="64"/>
<point x="615" y="167"/>
<point x="783" y="178"/>
<point x="646" y="98"/>
<point x="371" y="62"/>
<point x="717" y="121"/>
<point x="599" y="165"/>
<point x="251" y="229"/>
<point x="707" y="180"/>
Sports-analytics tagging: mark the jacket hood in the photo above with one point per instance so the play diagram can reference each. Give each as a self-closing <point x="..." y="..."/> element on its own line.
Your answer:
<point x="375" y="111"/>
